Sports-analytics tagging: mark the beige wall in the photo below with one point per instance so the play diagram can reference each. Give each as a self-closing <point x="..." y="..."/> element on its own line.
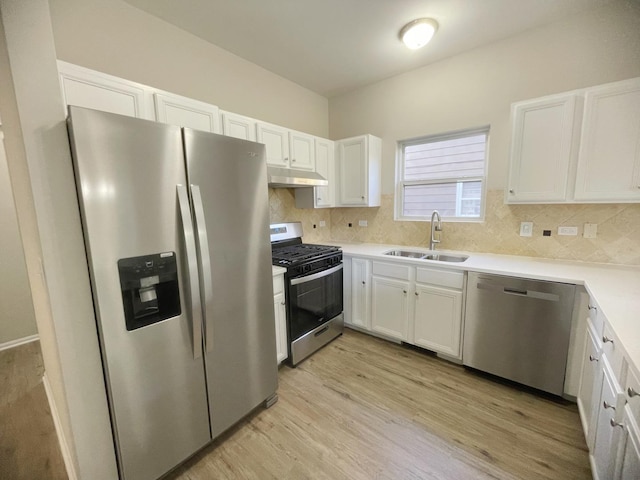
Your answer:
<point x="477" y="88"/>
<point x="116" y="38"/>
<point x="17" y="319"/>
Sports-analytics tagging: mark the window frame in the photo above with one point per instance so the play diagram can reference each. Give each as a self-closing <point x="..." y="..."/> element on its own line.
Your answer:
<point x="401" y="183"/>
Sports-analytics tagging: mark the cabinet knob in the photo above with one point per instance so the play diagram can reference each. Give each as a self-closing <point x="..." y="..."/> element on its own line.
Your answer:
<point x="632" y="393"/>
<point x="616" y="424"/>
<point x="363" y="282"/>
<point x="511" y="191"/>
<point x="606" y="339"/>
<point x="362" y="197"/>
<point x="319" y="199"/>
<point x="592" y="307"/>
<point x="593" y="359"/>
<point x="286" y="159"/>
<point x="404" y="291"/>
<point x="293" y="159"/>
<point x="607" y="406"/>
<point x="417" y="294"/>
<point x="283" y="303"/>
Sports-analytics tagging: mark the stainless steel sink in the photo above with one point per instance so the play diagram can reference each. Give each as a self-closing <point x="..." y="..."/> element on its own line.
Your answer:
<point x="405" y="253"/>
<point x="439" y="257"/>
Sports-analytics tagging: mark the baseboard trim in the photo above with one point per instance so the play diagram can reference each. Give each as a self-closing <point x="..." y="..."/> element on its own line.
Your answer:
<point x="64" y="446"/>
<point x="18" y="342"/>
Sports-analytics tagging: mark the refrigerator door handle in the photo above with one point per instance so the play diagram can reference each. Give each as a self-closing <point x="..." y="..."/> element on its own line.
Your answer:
<point x="192" y="268"/>
<point x="205" y="264"/>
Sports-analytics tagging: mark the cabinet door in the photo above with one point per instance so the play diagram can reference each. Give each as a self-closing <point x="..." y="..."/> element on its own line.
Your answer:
<point x="281" y="327"/>
<point x="542" y="147"/>
<point x="185" y="112"/>
<point x="238" y="126"/>
<point x="302" y="149"/>
<point x="361" y="293"/>
<point x="85" y="88"/>
<point x="438" y="319"/>
<point x="389" y="311"/>
<point x="607" y="433"/>
<point x="629" y="465"/>
<point x="353" y="172"/>
<point x="590" y="386"/>
<point x="276" y="141"/>
<point x="609" y="160"/>
<point x="325" y="166"/>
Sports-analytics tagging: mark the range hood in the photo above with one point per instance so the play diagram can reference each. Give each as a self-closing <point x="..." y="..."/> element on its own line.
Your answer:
<point x="289" y="178"/>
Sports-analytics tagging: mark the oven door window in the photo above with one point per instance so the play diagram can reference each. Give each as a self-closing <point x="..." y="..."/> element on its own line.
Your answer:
<point x="313" y="300"/>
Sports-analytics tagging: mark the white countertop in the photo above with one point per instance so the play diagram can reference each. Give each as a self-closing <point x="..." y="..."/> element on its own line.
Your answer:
<point x="615" y="288"/>
<point x="277" y="270"/>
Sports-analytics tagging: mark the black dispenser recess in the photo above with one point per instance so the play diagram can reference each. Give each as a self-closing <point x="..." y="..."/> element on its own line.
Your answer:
<point x="149" y="287"/>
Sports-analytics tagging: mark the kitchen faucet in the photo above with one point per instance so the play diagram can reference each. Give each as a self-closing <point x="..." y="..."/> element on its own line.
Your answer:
<point x="435" y="227"/>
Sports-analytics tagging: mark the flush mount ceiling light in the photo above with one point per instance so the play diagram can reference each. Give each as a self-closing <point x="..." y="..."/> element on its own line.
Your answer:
<point x="417" y="34"/>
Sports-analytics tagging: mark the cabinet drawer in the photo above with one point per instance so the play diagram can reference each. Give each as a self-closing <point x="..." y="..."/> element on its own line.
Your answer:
<point x="400" y="272"/>
<point x="443" y="278"/>
<point x="632" y="393"/>
<point x="278" y="284"/>
<point x="611" y="349"/>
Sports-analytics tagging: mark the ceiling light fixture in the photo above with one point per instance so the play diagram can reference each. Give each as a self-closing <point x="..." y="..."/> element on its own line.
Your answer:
<point x="418" y="33"/>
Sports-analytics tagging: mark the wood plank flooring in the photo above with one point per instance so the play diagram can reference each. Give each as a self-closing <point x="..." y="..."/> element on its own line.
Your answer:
<point x="28" y="443"/>
<point x="364" y="408"/>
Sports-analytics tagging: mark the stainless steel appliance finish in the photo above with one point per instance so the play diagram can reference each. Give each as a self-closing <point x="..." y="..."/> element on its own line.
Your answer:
<point x="172" y="389"/>
<point x="290" y="178"/>
<point x="518" y="329"/>
<point x="313" y="290"/>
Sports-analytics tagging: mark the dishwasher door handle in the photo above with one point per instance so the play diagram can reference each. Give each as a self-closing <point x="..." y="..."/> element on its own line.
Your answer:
<point x="518" y="292"/>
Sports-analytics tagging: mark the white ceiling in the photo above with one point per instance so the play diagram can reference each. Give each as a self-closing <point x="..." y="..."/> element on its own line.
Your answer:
<point x="333" y="46"/>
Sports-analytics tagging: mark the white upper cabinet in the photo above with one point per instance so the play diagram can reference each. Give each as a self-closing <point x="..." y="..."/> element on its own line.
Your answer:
<point x="320" y="197"/>
<point x="542" y="149"/>
<point x="359" y="170"/>
<point x="90" y="89"/>
<point x="609" y="160"/>
<point x="276" y="141"/>
<point x="302" y="150"/>
<point x="185" y="112"/>
<point x="238" y="126"/>
<point x="578" y="147"/>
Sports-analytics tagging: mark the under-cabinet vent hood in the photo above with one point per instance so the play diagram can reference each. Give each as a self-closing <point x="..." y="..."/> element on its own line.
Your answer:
<point x="288" y="178"/>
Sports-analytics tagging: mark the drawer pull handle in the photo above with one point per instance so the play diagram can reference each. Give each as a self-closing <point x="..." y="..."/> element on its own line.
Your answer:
<point x="607" y="406"/>
<point x="616" y="424"/>
<point x="632" y="393"/>
<point x="606" y="339"/>
<point x="593" y="359"/>
<point x="592" y="307"/>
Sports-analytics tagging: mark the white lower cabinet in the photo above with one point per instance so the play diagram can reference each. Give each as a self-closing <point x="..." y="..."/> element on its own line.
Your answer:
<point x="360" y="312"/>
<point x="389" y="313"/>
<point x="628" y="467"/>
<point x="279" y="308"/>
<point x="417" y="305"/>
<point x="437" y="319"/>
<point x="590" y="384"/>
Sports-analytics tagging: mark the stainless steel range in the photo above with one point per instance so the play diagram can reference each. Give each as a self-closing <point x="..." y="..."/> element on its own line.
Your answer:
<point x="313" y="289"/>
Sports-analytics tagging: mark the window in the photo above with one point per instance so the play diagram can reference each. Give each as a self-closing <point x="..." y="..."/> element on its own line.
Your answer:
<point x="442" y="172"/>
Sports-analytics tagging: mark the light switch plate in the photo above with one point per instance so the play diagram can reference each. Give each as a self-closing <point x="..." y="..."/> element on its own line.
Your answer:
<point x="526" y="229"/>
<point x="362" y="223"/>
<point x="590" y="230"/>
<point x="323" y="223"/>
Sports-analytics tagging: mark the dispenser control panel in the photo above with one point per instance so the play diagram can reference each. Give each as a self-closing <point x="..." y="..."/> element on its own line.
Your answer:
<point x="149" y="286"/>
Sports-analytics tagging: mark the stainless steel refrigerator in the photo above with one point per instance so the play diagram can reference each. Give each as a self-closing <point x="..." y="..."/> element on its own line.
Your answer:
<point x="176" y="226"/>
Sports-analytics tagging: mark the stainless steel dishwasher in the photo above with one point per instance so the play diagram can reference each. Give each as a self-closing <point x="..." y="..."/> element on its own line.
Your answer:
<point x="518" y="329"/>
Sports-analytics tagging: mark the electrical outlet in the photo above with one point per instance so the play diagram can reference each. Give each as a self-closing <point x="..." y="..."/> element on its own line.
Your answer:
<point x="590" y="230"/>
<point x="567" y="230"/>
<point x="526" y="229"/>
<point x="362" y="223"/>
<point x="323" y="223"/>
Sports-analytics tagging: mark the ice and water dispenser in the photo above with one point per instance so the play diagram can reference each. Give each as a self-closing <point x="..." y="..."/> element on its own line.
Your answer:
<point x="149" y="287"/>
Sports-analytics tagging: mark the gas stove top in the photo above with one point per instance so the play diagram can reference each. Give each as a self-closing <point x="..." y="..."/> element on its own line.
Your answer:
<point x="290" y="255"/>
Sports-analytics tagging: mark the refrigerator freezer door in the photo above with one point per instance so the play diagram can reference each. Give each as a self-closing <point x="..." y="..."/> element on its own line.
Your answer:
<point x="241" y="364"/>
<point x="127" y="170"/>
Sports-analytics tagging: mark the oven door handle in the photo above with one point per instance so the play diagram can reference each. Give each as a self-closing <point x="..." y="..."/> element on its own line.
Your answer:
<point x="315" y="276"/>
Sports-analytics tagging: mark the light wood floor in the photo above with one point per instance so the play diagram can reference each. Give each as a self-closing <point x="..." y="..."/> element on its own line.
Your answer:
<point x="29" y="447"/>
<point x="363" y="408"/>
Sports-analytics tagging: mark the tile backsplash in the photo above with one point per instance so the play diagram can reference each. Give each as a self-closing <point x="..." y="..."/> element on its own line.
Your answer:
<point x="617" y="241"/>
